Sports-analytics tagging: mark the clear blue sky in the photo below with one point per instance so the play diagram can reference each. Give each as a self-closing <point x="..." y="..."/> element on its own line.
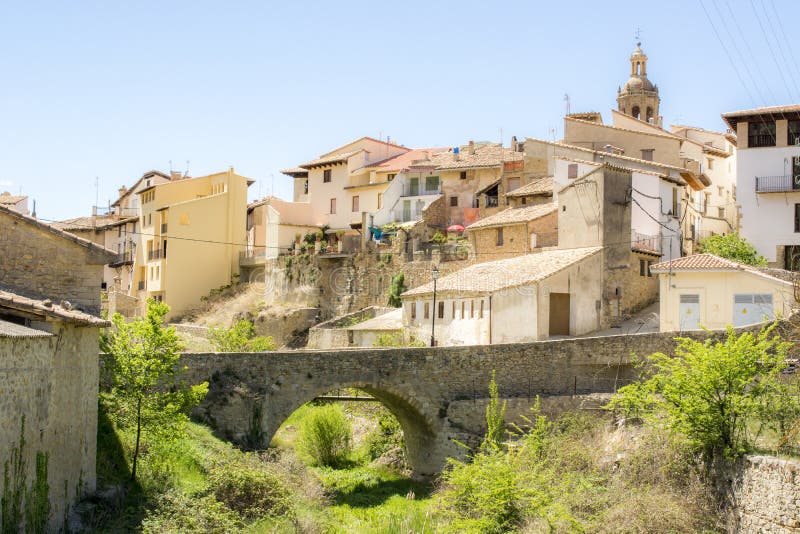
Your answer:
<point x="112" y="89"/>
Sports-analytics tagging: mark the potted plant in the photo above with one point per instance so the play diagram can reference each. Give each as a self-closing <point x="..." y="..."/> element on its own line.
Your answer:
<point x="340" y="240"/>
<point x="317" y="242"/>
<point x="324" y="246"/>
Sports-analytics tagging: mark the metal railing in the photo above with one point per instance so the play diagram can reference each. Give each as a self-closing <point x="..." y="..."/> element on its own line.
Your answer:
<point x="777" y="184"/>
<point x="760" y="140"/>
<point x="122" y="257"/>
<point x="645" y="242"/>
<point x="155" y="254"/>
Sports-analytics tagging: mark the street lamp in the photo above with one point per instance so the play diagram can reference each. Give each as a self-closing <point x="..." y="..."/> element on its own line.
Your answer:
<point x="435" y="276"/>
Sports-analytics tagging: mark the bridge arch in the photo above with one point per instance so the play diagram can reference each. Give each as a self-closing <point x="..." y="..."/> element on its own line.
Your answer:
<point x="421" y="430"/>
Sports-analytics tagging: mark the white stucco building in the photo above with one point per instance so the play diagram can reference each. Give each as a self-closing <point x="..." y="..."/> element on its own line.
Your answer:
<point x="520" y="299"/>
<point x="768" y="180"/>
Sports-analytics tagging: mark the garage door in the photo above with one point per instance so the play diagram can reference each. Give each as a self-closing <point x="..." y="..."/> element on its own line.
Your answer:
<point x="689" y="312"/>
<point x="751" y="308"/>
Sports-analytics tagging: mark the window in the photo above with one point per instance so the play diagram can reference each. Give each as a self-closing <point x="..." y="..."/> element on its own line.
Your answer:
<point x="471" y="309"/>
<point x="797" y="217"/>
<point x="453" y="314"/>
<point x="326" y="175"/>
<point x="523" y="201"/>
<point x="431" y="183"/>
<point x="355" y="203"/>
<point x="710" y="163"/>
<point x="413" y="310"/>
<point x="572" y="171"/>
<point x="675" y="201"/>
<point x="333" y="206"/>
<point x="499" y="237"/>
<point x="721" y="212"/>
<point x="794" y="133"/>
<point x="463" y="175"/>
<point x="441" y="310"/>
<point x="390" y="176"/>
<point x="453" y="201"/>
<point x="706" y="198"/>
<point x="642" y="268"/>
<point x="481" y="312"/>
<point x="649" y="273"/>
<point x="463" y="305"/>
<point x="380" y="200"/>
<point x="761" y="134"/>
<point x="305" y="187"/>
<point x="647" y="154"/>
<point x="149" y="219"/>
<point x="427" y="310"/>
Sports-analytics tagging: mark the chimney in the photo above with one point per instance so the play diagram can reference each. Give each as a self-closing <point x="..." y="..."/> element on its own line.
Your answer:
<point x="471" y="148"/>
<point x="122" y="191"/>
<point x="514" y="144"/>
<point x="456" y="155"/>
<point x="175" y="175"/>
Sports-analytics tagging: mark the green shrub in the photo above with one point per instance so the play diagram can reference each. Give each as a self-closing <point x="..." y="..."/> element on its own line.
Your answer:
<point x="241" y="337"/>
<point x="396" y="288"/>
<point x="250" y="490"/>
<point x="178" y="512"/>
<point x="325" y="436"/>
<point x="388" y="436"/>
<point x="733" y="247"/>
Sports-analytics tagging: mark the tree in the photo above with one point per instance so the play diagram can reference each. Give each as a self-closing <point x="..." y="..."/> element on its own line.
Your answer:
<point x="241" y="337"/>
<point x="720" y="394"/>
<point x="146" y="390"/>
<point x="396" y="289"/>
<point x="734" y="247"/>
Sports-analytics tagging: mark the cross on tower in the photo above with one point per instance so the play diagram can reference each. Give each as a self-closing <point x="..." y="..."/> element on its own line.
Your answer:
<point x="638" y="33"/>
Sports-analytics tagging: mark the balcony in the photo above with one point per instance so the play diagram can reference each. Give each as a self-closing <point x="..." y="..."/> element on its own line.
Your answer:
<point x="122" y="258"/>
<point x="253" y="256"/>
<point x="777" y="184"/>
<point x="163" y="228"/>
<point x="760" y="140"/>
<point x="410" y="190"/>
<point x="645" y="242"/>
<point x="156" y="254"/>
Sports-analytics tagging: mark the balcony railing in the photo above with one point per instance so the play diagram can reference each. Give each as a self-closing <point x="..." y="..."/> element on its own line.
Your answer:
<point x="122" y="257"/>
<point x="156" y="254"/>
<point x="777" y="184"/>
<point x="760" y="140"/>
<point x="420" y="190"/>
<point x="163" y="228"/>
<point x="646" y="242"/>
<point x="141" y="285"/>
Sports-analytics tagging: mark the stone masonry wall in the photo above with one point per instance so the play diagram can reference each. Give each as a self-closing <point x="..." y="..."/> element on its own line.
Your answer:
<point x="763" y="495"/>
<point x="52" y="382"/>
<point x="37" y="263"/>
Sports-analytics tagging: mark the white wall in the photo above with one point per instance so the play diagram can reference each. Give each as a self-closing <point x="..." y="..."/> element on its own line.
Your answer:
<point x="767" y="218"/>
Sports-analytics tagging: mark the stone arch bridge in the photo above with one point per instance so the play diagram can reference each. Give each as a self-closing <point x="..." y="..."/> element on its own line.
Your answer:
<point x="437" y="394"/>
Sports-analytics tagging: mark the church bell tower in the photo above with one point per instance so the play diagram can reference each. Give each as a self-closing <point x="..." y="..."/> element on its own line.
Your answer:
<point x="639" y="96"/>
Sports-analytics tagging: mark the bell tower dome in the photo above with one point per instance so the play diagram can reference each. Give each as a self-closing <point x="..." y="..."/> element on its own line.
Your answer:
<point x="639" y="96"/>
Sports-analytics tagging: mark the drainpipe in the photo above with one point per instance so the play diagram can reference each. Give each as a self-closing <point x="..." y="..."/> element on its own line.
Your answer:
<point x="490" y="319"/>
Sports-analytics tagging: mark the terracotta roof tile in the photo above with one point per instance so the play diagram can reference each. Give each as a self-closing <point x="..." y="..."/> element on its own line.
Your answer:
<point x="9" y="199"/>
<point x="493" y="276"/>
<point x="49" y="309"/>
<point x="405" y="160"/>
<point x="18" y="331"/>
<point x="488" y="155"/>
<point x="326" y="160"/>
<point x="541" y="186"/>
<point x="514" y="216"/>
<point x="713" y="263"/>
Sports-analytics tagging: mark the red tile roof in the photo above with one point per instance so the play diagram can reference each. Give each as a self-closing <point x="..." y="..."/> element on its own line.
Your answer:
<point x="713" y="263"/>
<point x="402" y="161"/>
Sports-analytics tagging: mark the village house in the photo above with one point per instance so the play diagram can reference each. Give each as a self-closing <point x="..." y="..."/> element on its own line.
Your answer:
<point x="49" y="334"/>
<point x="514" y="231"/>
<point x="768" y="180"/>
<point x="538" y="191"/>
<point x="18" y="203"/>
<point x="520" y="299"/>
<point x="184" y="224"/>
<point x="707" y="291"/>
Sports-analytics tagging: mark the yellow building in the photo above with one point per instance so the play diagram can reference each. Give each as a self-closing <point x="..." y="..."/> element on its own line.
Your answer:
<point x="192" y="231"/>
<point x="708" y="291"/>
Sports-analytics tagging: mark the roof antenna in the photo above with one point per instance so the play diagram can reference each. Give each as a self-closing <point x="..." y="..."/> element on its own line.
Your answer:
<point x="567" y="103"/>
<point x="34" y="209"/>
<point x="187" y="169"/>
<point x="170" y="167"/>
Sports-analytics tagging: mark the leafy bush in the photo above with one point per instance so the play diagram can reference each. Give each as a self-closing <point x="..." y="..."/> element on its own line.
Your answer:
<point x="388" y="436"/>
<point x="241" y="337"/>
<point x="733" y="247"/>
<point x="325" y="436"/>
<point x="397" y="341"/>
<point x="396" y="288"/>
<point x="721" y="395"/>
<point x="178" y="512"/>
<point x="252" y="491"/>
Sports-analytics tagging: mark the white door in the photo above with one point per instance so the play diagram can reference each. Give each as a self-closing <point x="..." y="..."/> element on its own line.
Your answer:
<point x="689" y="310"/>
<point x="752" y="308"/>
